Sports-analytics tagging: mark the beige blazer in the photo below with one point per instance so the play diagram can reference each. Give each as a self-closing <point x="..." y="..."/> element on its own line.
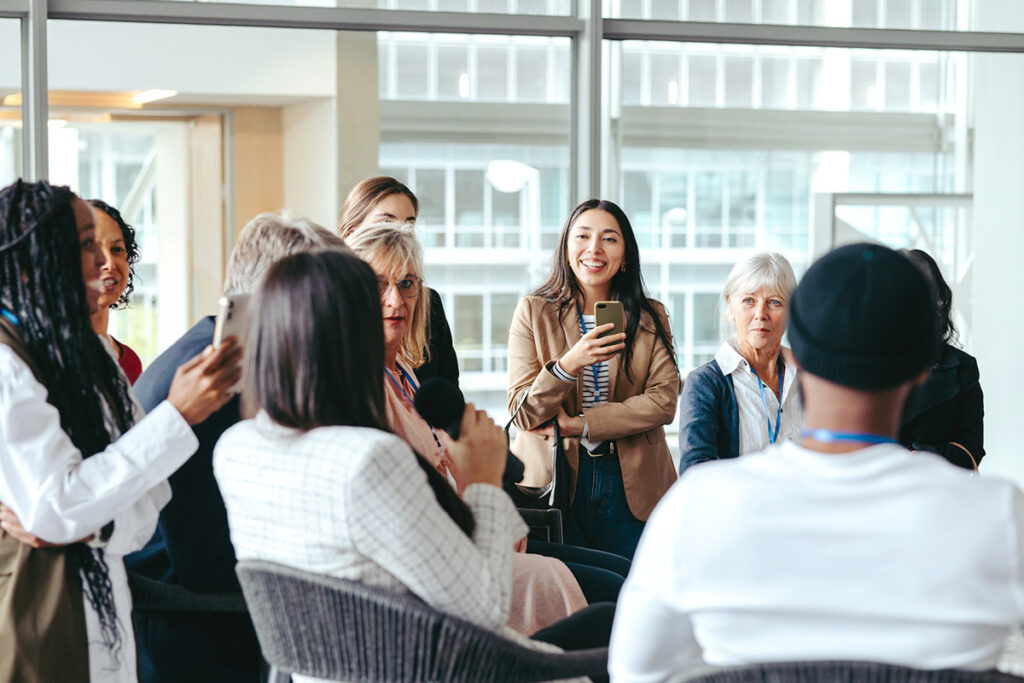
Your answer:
<point x="634" y="418"/>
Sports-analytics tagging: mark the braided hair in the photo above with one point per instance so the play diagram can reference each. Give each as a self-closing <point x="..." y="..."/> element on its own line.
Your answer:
<point x="41" y="283"/>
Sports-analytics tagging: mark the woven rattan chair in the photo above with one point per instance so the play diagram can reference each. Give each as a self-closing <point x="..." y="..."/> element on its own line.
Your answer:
<point x="343" y="630"/>
<point x="841" y="672"/>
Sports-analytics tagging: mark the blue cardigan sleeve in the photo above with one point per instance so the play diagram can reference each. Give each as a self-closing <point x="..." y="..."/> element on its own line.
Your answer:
<point x="701" y="418"/>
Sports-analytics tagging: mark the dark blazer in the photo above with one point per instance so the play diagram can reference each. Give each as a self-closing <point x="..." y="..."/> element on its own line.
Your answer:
<point x="709" y="418"/>
<point x="191" y="547"/>
<point x="442" y="361"/>
<point x="948" y="407"/>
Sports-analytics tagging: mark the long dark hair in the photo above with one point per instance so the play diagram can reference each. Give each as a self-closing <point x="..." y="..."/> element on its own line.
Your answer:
<point x="131" y="249"/>
<point x="41" y="284"/>
<point x="315" y="355"/>
<point x="943" y="294"/>
<point x="627" y="285"/>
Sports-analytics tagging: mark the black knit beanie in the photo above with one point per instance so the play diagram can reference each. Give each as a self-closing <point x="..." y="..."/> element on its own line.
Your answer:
<point x="864" y="317"/>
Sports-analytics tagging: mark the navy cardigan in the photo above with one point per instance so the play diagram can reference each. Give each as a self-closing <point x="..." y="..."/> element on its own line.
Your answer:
<point x="709" y="419"/>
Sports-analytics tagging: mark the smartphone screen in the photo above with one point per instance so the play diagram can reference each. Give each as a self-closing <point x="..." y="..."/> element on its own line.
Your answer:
<point x="609" y="312"/>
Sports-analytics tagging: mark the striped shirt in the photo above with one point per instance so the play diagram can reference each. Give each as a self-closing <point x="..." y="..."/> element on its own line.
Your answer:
<point x="593" y="394"/>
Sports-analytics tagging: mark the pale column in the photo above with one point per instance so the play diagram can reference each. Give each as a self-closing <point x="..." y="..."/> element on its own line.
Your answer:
<point x="358" y="140"/>
<point x="174" y="291"/>
<point x="998" y="226"/>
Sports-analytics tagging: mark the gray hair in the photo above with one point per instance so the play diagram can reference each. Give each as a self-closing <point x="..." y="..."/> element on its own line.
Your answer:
<point x="268" y="238"/>
<point x="765" y="271"/>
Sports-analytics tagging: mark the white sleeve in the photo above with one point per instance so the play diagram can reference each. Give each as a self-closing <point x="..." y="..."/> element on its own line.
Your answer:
<point x="135" y="526"/>
<point x="652" y="636"/>
<point x="397" y="522"/>
<point x="56" y="494"/>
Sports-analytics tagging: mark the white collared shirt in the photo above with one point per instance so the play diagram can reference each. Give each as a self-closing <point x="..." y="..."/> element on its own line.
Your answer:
<point x="753" y="419"/>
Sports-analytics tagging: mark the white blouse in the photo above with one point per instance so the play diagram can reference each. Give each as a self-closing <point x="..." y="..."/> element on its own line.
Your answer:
<point x="754" y="417"/>
<point x="61" y="497"/>
<point x="352" y="502"/>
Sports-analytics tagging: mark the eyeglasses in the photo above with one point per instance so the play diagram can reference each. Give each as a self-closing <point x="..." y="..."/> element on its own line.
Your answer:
<point x="408" y="287"/>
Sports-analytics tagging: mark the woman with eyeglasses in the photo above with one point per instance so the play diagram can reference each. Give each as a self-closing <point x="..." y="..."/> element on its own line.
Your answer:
<point x="382" y="199"/>
<point x="545" y="590"/>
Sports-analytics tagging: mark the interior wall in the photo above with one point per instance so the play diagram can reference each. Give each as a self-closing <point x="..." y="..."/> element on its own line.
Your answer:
<point x="310" y="165"/>
<point x="998" y="225"/>
<point x="258" y="158"/>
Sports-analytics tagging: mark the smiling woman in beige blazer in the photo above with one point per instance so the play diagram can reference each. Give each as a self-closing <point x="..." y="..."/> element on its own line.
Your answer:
<point x="611" y="396"/>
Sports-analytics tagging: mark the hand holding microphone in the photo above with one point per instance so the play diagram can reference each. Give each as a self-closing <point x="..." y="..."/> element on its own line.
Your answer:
<point x="442" y="405"/>
<point x="478" y="453"/>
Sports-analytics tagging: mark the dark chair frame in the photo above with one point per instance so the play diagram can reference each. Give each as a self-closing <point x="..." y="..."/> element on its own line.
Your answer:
<point x="336" y="629"/>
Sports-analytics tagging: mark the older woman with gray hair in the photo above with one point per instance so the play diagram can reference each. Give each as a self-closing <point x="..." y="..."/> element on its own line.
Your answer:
<point x="746" y="398"/>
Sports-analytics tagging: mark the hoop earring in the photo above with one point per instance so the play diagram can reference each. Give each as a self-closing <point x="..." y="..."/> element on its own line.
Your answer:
<point x="622" y="268"/>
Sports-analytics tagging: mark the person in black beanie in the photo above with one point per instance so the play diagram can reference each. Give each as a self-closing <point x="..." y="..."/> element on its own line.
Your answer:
<point x="842" y="546"/>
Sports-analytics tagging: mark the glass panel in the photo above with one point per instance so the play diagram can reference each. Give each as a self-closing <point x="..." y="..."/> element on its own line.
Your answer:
<point x="493" y="6"/>
<point x="490" y="166"/>
<point x="705" y="318"/>
<point x="492" y="73"/>
<point x="702" y="81"/>
<point x="452" y="72"/>
<point x="467" y="331"/>
<point x="900" y="14"/>
<point x="705" y="189"/>
<point x="502" y="307"/>
<point x="10" y="109"/>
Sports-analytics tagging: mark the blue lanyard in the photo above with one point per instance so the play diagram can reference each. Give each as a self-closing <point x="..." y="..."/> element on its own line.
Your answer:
<point x="408" y="378"/>
<point x="412" y="385"/>
<point x="772" y="437"/>
<point x="10" y="316"/>
<point x="593" y="368"/>
<point x="831" y="436"/>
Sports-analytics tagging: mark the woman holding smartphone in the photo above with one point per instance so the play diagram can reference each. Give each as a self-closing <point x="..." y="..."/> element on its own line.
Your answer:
<point x="611" y="395"/>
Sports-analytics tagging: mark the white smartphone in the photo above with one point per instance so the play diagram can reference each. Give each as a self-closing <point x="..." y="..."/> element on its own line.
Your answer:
<point x="232" y="321"/>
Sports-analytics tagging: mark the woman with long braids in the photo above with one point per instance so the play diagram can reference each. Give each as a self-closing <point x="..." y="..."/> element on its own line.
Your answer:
<point x="611" y="395"/>
<point x="76" y="477"/>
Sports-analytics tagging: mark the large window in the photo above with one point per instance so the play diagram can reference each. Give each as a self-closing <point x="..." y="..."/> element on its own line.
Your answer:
<point x="711" y="170"/>
<point x="714" y="149"/>
<point x="899" y="14"/>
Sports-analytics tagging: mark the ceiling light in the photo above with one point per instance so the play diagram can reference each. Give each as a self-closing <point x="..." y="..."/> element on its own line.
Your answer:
<point x="147" y="96"/>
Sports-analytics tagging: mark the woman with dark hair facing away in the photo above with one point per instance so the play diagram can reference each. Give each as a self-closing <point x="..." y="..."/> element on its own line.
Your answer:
<point x="383" y="199"/>
<point x="116" y="241"/>
<point x="80" y="482"/>
<point x="945" y="414"/>
<point x="332" y="467"/>
<point x="611" y="395"/>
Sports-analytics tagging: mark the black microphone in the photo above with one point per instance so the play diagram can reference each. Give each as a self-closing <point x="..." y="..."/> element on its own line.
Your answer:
<point x="441" y="404"/>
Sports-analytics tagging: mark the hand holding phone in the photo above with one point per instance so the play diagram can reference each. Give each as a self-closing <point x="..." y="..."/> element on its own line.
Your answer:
<point x="609" y="312"/>
<point x="232" y="321"/>
<point x="601" y="343"/>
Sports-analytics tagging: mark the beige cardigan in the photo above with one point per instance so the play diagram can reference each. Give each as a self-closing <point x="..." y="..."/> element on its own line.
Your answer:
<point x="634" y="418"/>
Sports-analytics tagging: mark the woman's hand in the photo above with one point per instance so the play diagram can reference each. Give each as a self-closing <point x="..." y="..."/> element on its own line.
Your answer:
<point x="200" y="386"/>
<point x="567" y="426"/>
<point x="10" y="523"/>
<point x="481" y="450"/>
<point x="589" y="349"/>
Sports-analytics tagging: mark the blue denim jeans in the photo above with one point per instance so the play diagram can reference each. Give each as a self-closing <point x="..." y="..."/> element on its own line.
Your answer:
<point x="600" y="517"/>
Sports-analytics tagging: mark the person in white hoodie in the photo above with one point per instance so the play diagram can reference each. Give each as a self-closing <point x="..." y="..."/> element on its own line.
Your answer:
<point x="844" y="545"/>
<point x="77" y="475"/>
